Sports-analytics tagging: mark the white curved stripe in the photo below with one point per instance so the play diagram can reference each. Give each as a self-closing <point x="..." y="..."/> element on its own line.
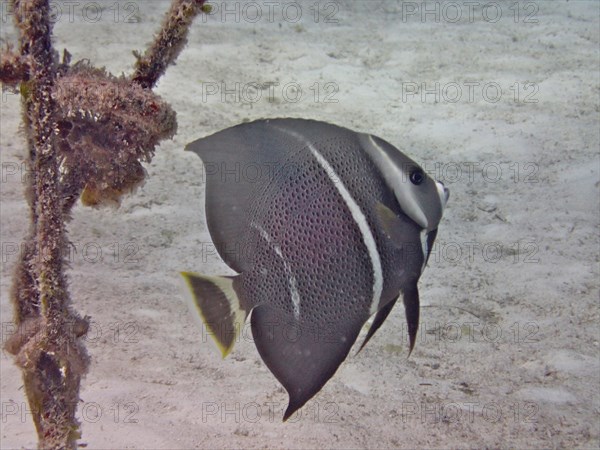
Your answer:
<point x="293" y="284"/>
<point x="396" y="179"/>
<point x="358" y="217"/>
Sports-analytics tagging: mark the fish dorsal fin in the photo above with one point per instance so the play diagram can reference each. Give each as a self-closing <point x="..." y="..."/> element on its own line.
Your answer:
<point x="238" y="163"/>
<point x="228" y="157"/>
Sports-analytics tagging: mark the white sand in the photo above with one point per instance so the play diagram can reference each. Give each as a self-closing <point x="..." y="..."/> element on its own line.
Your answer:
<point x="508" y="355"/>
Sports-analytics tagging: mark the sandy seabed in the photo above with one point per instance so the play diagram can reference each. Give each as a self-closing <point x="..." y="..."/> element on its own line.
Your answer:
<point x="501" y="104"/>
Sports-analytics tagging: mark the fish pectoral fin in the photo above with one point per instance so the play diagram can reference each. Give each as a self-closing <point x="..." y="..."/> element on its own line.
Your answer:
<point x="377" y="322"/>
<point x="216" y="301"/>
<point x="302" y="359"/>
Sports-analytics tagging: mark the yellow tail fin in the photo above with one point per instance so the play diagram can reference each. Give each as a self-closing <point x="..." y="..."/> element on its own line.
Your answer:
<point x="219" y="306"/>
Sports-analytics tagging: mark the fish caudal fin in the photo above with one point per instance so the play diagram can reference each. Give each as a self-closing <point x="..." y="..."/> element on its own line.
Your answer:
<point x="215" y="299"/>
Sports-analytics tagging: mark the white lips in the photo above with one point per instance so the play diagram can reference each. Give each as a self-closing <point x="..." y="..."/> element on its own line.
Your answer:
<point x="442" y="193"/>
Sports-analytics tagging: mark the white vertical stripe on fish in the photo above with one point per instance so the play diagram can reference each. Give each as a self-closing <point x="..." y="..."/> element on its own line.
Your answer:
<point x="358" y="217"/>
<point x="363" y="225"/>
<point x="293" y="284"/>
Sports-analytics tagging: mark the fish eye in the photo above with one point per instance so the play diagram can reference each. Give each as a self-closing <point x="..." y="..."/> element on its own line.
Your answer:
<point x="416" y="177"/>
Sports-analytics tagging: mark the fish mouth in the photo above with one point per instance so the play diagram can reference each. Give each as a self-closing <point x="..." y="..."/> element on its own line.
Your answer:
<point x="443" y="192"/>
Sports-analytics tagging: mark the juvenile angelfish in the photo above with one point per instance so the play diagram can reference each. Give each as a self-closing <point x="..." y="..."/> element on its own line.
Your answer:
<point x="325" y="227"/>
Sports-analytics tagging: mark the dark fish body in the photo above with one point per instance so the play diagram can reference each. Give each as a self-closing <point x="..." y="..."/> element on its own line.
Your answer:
<point x="333" y="231"/>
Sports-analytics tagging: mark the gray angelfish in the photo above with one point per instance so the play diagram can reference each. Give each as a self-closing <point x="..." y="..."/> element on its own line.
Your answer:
<point x="325" y="227"/>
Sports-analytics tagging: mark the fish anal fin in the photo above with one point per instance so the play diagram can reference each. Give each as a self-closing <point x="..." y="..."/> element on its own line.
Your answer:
<point x="216" y="301"/>
<point x="302" y="359"/>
